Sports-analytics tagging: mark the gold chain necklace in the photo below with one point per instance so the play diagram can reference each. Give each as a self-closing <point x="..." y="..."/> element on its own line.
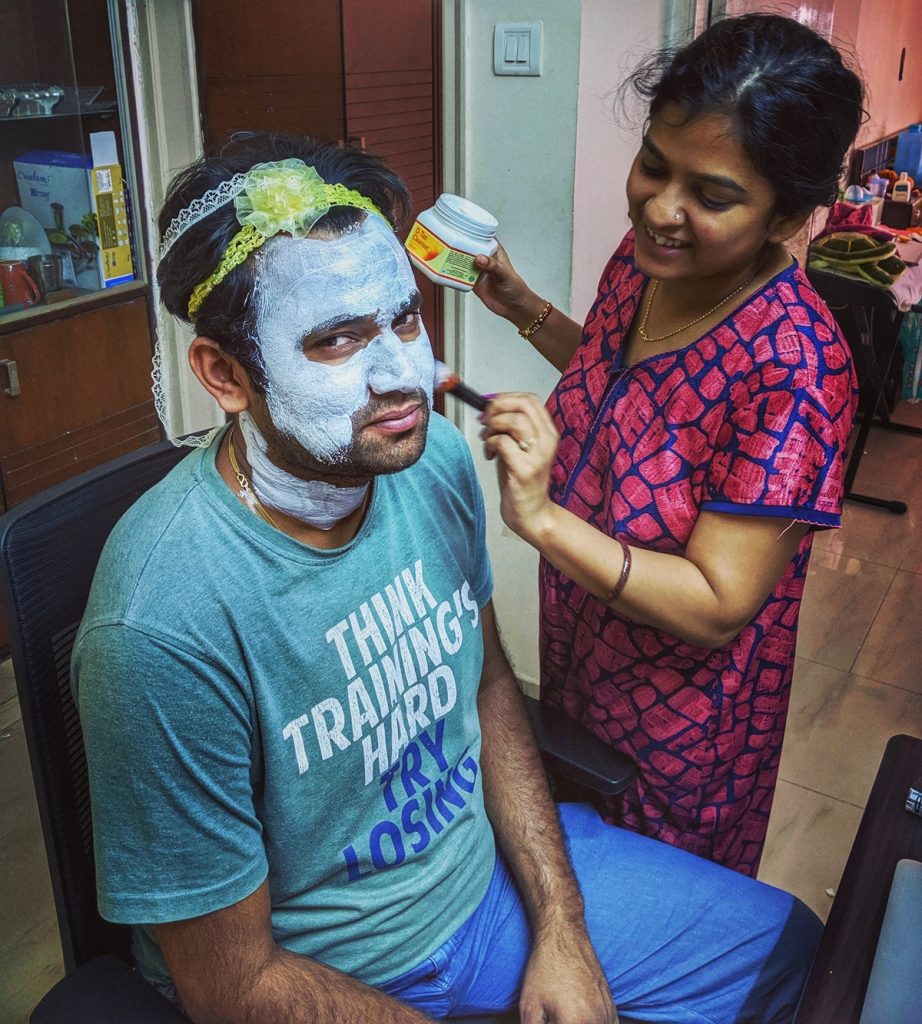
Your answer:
<point x="642" y="328"/>
<point x="249" y="495"/>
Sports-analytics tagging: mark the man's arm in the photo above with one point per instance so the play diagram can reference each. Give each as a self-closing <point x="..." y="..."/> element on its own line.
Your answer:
<point x="564" y="983"/>
<point x="228" y="970"/>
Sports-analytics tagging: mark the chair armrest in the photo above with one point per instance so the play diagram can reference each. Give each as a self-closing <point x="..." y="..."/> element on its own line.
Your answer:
<point x="105" y="991"/>
<point x="571" y="751"/>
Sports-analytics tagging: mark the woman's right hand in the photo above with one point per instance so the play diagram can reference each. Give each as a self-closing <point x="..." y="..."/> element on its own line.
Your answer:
<point x="519" y="433"/>
<point x="503" y="291"/>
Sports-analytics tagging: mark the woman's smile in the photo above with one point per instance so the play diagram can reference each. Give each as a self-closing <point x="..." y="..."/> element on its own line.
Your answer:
<point x="666" y="243"/>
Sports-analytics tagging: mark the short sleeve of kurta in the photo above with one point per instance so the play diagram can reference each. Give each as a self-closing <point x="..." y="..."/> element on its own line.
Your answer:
<point x="781" y="449"/>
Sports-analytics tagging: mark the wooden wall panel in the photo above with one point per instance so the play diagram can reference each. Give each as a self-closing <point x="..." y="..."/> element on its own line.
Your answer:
<point x="301" y="104"/>
<point x="337" y="69"/>
<point x="273" y="66"/>
<point x="391" y="66"/>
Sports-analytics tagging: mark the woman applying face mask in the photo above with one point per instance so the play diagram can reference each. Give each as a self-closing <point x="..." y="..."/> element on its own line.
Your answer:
<point x="697" y="437"/>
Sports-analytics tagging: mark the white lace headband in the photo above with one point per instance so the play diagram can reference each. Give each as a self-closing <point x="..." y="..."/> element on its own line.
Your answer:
<point x="201" y="208"/>
<point x="285" y="196"/>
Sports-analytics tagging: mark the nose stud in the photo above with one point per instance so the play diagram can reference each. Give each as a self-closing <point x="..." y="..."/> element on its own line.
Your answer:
<point x="678" y="216"/>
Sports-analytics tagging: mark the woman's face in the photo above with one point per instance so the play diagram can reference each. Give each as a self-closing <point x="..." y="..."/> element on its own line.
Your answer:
<point x="699" y="208"/>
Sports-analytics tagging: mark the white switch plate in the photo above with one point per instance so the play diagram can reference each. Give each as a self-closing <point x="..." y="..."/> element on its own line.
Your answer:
<point x="517" y="48"/>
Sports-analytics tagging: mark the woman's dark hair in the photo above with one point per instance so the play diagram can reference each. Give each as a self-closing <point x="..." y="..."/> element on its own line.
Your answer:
<point x="227" y="315"/>
<point x="795" y="105"/>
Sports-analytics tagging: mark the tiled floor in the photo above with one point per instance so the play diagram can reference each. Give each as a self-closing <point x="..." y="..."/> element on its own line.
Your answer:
<point x="858" y="681"/>
<point x="858" y="678"/>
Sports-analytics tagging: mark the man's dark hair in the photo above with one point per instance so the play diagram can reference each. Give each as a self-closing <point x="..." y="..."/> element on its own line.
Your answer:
<point x="795" y="105"/>
<point x="227" y="315"/>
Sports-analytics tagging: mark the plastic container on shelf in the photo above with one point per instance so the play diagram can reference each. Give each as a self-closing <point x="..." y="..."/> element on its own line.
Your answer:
<point x="877" y="186"/>
<point x="902" y="188"/>
<point x="909" y="152"/>
<point x="445" y="239"/>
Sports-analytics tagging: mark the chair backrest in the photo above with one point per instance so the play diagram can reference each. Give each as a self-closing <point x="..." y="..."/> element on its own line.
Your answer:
<point x="49" y="547"/>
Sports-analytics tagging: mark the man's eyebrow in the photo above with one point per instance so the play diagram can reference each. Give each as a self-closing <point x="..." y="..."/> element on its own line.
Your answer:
<point x="712" y="179"/>
<point x="412" y="301"/>
<point x="332" y="323"/>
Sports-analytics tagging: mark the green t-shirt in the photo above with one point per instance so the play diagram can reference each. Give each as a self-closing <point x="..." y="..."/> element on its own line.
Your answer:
<point x="255" y="707"/>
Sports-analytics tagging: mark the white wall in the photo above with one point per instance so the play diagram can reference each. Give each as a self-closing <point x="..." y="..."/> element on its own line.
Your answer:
<point x="511" y="146"/>
<point x="546" y="157"/>
<point x="166" y="90"/>
<point x="615" y="37"/>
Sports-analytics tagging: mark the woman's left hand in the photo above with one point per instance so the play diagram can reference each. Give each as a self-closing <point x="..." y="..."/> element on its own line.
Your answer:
<point x="519" y="432"/>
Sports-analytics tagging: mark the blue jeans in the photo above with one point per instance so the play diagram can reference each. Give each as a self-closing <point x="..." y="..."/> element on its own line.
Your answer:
<point x="681" y="940"/>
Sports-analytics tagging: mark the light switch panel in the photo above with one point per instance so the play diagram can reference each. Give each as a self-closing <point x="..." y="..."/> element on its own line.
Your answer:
<point x="517" y="48"/>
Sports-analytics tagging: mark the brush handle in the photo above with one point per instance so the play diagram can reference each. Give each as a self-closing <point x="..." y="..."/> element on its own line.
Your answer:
<point x="469" y="396"/>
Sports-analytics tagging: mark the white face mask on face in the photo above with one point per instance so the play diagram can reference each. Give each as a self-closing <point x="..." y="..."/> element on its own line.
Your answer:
<point x="311" y="501"/>
<point x="303" y="284"/>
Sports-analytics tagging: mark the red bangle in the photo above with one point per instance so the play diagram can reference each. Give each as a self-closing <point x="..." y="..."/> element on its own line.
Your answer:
<point x="625" y="572"/>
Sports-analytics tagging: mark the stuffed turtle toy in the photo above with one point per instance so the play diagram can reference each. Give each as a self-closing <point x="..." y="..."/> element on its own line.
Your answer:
<point x="852" y="252"/>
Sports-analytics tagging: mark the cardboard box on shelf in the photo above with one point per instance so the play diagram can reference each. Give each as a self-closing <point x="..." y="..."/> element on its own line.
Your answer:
<point x="79" y="200"/>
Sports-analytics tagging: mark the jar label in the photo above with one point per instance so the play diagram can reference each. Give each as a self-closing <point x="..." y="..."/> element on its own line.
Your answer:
<point x="439" y="257"/>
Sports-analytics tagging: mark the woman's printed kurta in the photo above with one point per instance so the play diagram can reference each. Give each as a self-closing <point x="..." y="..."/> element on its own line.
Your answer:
<point x="751" y="419"/>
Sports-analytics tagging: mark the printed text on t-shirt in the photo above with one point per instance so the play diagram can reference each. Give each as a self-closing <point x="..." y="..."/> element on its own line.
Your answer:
<point x="392" y="649"/>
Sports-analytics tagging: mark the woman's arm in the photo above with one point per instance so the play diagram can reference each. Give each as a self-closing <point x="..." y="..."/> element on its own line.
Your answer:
<point x="706" y="596"/>
<point x="505" y="293"/>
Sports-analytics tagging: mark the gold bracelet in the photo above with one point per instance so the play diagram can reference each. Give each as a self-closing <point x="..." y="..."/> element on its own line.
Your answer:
<point x="535" y="325"/>
<point x="625" y="572"/>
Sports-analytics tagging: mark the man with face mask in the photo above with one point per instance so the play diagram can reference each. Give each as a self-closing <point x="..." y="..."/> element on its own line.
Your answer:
<point x="315" y="794"/>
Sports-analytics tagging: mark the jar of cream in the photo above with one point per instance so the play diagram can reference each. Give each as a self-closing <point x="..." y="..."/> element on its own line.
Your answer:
<point x="445" y="239"/>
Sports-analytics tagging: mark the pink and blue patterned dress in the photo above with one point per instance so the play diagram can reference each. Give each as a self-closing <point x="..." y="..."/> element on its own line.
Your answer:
<point x="753" y="419"/>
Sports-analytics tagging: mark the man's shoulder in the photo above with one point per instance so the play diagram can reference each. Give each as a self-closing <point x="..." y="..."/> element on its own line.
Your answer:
<point x="446" y="457"/>
<point x="155" y="512"/>
<point x="166" y="516"/>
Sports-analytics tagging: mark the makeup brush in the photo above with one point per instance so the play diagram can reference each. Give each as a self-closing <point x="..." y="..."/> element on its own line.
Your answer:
<point x="447" y="381"/>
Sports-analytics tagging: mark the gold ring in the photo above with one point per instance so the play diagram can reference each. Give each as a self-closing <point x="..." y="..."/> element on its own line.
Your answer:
<point x="525" y="445"/>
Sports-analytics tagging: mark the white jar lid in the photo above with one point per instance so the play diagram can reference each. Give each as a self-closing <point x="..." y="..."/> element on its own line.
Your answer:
<point x="466" y="215"/>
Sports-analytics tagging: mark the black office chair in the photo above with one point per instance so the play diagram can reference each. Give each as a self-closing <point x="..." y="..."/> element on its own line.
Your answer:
<point x="49" y="547"/>
<point x="870" y="322"/>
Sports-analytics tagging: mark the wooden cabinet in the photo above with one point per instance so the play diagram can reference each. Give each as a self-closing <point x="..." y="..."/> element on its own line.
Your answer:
<point x="84" y="395"/>
<point x="75" y="385"/>
<point x="81" y="356"/>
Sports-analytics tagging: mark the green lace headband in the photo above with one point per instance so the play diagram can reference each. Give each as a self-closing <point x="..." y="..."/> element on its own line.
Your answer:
<point x="285" y="196"/>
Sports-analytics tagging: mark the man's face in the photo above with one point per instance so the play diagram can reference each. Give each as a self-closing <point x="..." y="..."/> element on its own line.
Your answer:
<point x="349" y="365"/>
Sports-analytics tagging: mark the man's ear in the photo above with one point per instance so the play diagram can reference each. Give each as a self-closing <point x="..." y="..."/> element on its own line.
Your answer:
<point x="780" y="229"/>
<point x="220" y="374"/>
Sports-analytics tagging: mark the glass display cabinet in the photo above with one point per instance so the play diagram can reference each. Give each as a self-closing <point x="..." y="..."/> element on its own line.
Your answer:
<point x="75" y="324"/>
<point x="66" y="197"/>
